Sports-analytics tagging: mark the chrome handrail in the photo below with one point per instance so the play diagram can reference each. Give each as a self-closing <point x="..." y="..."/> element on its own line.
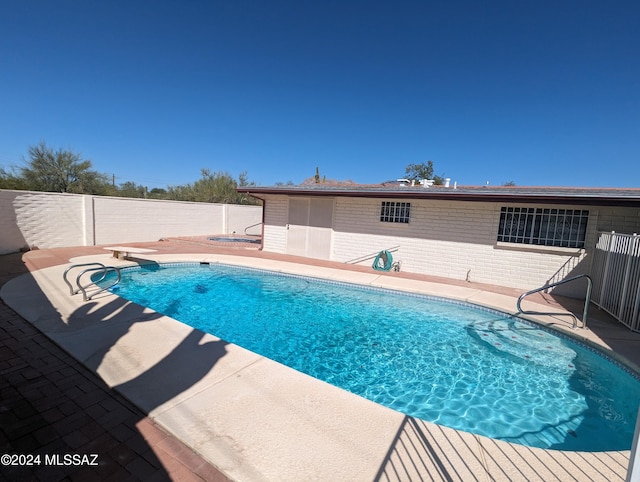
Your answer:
<point x="105" y="270"/>
<point x="66" y="271"/>
<point x="252" y="226"/>
<point x="575" y="318"/>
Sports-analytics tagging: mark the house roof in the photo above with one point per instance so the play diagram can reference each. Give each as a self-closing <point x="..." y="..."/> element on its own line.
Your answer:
<point x="629" y="197"/>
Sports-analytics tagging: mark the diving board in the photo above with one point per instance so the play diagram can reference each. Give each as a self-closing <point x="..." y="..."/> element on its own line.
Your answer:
<point x="122" y="252"/>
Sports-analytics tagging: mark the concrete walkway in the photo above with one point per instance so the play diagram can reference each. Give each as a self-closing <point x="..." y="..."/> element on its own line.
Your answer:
<point x="245" y="416"/>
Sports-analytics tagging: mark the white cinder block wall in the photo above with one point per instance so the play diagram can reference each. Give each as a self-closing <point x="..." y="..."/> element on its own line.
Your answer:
<point x="150" y="220"/>
<point x="450" y="239"/>
<point x="454" y="239"/>
<point x="621" y="220"/>
<point x="241" y="219"/>
<point x="42" y="220"/>
<point x="276" y="211"/>
<point x="51" y="220"/>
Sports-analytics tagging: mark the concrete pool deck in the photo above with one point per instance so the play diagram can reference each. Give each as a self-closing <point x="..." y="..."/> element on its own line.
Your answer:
<point x="255" y="419"/>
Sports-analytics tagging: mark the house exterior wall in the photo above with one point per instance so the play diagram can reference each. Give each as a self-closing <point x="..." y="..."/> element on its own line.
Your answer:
<point x="49" y="220"/>
<point x="276" y="210"/>
<point x="619" y="219"/>
<point x="452" y="239"/>
<point x="455" y="239"/>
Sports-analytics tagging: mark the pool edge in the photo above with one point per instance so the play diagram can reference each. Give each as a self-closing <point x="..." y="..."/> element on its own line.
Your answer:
<point x="488" y="450"/>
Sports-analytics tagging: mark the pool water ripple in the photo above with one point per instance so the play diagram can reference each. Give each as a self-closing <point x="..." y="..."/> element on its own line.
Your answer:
<point x="475" y="370"/>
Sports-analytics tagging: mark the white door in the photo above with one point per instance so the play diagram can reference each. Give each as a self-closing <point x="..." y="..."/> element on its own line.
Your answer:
<point x="310" y="227"/>
<point x="297" y="225"/>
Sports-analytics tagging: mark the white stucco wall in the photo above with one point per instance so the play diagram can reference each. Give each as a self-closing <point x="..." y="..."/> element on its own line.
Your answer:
<point x="453" y="239"/>
<point x="31" y="220"/>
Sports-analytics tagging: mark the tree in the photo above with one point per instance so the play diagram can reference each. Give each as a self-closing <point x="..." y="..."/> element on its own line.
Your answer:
<point x="215" y="187"/>
<point x="10" y="180"/>
<point x="131" y="189"/>
<point x="212" y="187"/>
<point x="64" y="171"/>
<point x="61" y="171"/>
<point x="416" y="172"/>
<point x="158" y="193"/>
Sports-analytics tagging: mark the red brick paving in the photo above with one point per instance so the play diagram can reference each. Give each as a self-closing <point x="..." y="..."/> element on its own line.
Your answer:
<point x="51" y="405"/>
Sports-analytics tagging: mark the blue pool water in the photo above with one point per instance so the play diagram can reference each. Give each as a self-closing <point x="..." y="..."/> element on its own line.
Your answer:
<point x="471" y="369"/>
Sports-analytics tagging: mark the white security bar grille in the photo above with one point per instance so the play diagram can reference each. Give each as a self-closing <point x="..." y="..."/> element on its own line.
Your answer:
<point x="543" y="227"/>
<point x="395" y="212"/>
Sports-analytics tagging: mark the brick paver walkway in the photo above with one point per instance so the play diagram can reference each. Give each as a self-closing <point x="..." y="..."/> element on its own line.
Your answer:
<point x="51" y="406"/>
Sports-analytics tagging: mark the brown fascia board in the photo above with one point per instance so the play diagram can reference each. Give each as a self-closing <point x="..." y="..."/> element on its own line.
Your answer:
<point x="582" y="197"/>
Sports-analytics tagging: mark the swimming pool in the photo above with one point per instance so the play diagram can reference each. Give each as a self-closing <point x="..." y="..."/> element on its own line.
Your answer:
<point x="234" y="239"/>
<point x="472" y="369"/>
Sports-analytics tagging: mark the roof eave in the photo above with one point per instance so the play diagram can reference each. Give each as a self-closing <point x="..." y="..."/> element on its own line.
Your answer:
<point x="454" y="196"/>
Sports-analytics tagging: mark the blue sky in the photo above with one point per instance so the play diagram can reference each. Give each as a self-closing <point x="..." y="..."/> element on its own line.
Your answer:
<point x="534" y="92"/>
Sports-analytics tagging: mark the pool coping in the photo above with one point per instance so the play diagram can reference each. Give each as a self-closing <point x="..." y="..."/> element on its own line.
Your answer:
<point x="255" y="419"/>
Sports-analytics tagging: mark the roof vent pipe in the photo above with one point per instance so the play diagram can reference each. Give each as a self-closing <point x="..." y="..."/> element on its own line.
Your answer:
<point x="446" y="182"/>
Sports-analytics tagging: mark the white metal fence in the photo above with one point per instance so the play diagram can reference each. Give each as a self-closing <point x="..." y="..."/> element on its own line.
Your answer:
<point x="616" y="276"/>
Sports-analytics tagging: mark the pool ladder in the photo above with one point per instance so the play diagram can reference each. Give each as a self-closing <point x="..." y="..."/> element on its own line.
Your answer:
<point x="252" y="226"/>
<point x="565" y="313"/>
<point x="105" y="270"/>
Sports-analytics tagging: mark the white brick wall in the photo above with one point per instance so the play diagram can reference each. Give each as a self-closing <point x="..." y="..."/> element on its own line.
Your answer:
<point x="450" y="239"/>
<point x="49" y="220"/>
<point x="444" y="238"/>
<point x="239" y="217"/>
<point x="150" y="220"/>
<point x="275" y="220"/>
<point x="455" y="240"/>
<point x="622" y="220"/>
<point x="43" y="220"/>
<point x="11" y="238"/>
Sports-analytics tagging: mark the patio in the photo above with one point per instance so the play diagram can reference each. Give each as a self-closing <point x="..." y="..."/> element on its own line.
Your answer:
<point x="86" y="416"/>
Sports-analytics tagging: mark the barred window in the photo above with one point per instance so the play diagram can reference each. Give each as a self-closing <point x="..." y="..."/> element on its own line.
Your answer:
<point x="395" y="212"/>
<point x="565" y="228"/>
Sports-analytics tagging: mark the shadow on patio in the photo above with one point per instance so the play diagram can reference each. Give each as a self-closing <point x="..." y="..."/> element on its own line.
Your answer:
<point x="422" y="451"/>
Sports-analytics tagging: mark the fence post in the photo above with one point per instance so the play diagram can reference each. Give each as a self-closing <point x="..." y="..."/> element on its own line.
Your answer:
<point x="605" y="271"/>
<point x="633" y="471"/>
<point x="634" y="321"/>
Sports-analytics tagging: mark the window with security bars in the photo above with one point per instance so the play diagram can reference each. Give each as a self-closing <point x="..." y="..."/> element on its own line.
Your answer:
<point x="395" y="212"/>
<point x="564" y="228"/>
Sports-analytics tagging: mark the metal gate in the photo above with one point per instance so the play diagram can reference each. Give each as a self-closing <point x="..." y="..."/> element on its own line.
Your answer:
<point x="616" y="276"/>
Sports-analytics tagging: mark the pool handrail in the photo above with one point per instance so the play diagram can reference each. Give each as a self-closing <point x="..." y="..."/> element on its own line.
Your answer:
<point x="551" y="285"/>
<point x="83" y="288"/>
<point x="73" y="266"/>
<point x="252" y="226"/>
<point x="105" y="269"/>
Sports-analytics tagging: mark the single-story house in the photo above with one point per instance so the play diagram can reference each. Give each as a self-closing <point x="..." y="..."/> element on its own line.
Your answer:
<point x="521" y="237"/>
